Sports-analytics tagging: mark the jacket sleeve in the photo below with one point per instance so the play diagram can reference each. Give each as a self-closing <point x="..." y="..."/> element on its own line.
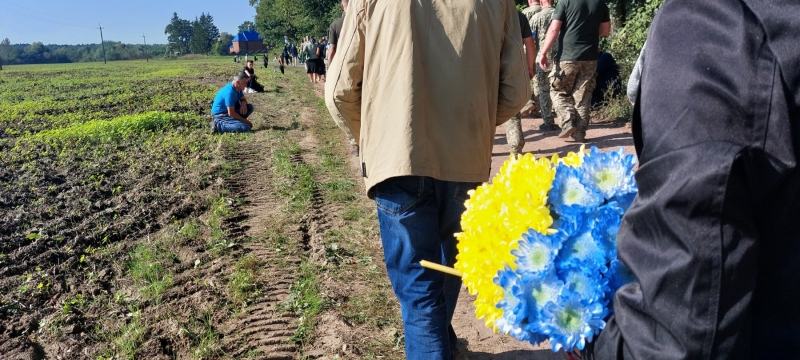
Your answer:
<point x="514" y="90"/>
<point x="343" y="88"/>
<point x="709" y="236"/>
<point x="636" y="75"/>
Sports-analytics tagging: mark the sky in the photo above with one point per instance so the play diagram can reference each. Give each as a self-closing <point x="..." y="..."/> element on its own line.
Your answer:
<point x="76" y="21"/>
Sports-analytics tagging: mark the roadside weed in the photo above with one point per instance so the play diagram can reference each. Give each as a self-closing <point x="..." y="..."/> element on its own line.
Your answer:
<point x="148" y="272"/>
<point x="242" y="283"/>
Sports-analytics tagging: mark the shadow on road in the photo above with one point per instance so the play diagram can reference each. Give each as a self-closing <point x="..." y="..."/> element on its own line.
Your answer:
<point x="518" y="354"/>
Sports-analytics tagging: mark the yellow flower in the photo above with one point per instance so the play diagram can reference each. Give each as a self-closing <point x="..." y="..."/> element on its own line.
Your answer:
<point x="496" y="216"/>
<point x="572" y="159"/>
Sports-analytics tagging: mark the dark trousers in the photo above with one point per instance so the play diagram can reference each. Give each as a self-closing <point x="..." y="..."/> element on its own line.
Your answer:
<point x="253" y="84"/>
<point x="713" y="236"/>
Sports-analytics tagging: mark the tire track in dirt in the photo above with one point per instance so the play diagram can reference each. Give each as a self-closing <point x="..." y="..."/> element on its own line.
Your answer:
<point x="265" y="329"/>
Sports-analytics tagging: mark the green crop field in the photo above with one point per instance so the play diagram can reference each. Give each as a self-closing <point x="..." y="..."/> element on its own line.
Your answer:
<point x="128" y="230"/>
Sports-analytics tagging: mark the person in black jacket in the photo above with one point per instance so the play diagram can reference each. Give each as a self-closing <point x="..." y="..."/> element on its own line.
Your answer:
<point x="713" y="236"/>
<point x="607" y="82"/>
<point x="252" y="82"/>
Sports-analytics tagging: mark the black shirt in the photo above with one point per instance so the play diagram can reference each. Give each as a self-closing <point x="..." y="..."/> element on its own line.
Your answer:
<point x="526" y="28"/>
<point x="335" y="30"/>
<point x="250" y="71"/>
<point x="580" y="28"/>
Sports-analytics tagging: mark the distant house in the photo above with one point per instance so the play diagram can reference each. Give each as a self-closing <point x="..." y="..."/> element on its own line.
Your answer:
<point x="247" y="41"/>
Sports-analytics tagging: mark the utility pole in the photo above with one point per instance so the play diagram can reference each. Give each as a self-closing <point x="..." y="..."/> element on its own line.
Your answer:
<point x="145" y="48"/>
<point x="101" y="42"/>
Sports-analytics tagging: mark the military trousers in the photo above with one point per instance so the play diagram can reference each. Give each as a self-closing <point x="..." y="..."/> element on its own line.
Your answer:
<point x="543" y="92"/>
<point x="514" y="137"/>
<point x="534" y="102"/>
<point x="572" y="83"/>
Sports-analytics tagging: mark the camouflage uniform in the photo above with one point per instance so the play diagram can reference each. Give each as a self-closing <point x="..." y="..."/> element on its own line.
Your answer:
<point x="573" y="83"/>
<point x="530" y="13"/>
<point x="514" y="137"/>
<point x="539" y="24"/>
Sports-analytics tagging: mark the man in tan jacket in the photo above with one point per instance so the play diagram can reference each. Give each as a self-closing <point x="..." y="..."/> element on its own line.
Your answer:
<point x="422" y="86"/>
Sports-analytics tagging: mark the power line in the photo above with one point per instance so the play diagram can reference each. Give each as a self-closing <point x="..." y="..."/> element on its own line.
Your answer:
<point x="121" y="33"/>
<point x="101" y="42"/>
<point x="145" y="48"/>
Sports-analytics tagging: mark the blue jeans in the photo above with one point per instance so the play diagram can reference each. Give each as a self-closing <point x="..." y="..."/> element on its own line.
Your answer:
<point x="224" y="123"/>
<point x="418" y="218"/>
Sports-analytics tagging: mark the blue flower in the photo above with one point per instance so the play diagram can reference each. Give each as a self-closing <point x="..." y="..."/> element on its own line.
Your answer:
<point x="618" y="276"/>
<point x="568" y="224"/>
<point x="516" y="313"/>
<point x="582" y="252"/>
<point x="624" y="200"/>
<point x="537" y="292"/>
<point x="590" y="288"/>
<point x="611" y="173"/>
<point x="607" y="221"/>
<point x="571" y="323"/>
<point x="537" y="252"/>
<point x="570" y="193"/>
<point x="514" y="310"/>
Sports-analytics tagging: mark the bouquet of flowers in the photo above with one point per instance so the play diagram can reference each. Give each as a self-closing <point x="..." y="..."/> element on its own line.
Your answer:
<point x="538" y="245"/>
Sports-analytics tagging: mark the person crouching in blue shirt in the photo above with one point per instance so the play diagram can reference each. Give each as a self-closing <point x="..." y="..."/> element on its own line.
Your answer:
<point x="230" y="108"/>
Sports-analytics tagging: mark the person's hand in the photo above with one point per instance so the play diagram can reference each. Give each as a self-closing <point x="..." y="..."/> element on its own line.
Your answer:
<point x="243" y="108"/>
<point x="542" y="60"/>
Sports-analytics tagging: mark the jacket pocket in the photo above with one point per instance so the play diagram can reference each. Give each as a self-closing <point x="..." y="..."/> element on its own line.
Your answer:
<point x="398" y="195"/>
<point x="556" y="79"/>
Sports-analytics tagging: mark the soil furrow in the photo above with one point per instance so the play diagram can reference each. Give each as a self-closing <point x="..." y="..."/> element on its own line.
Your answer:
<point x="267" y="329"/>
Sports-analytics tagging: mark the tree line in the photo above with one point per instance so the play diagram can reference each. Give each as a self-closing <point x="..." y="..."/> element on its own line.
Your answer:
<point x="38" y="53"/>
<point x="200" y="36"/>
<point x="294" y="18"/>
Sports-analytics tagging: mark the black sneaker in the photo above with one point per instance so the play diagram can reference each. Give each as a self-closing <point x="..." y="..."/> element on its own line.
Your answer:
<point x="578" y="137"/>
<point x="548" y="127"/>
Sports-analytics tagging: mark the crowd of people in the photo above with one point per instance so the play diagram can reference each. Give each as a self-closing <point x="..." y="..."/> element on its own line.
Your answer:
<point x="710" y="237"/>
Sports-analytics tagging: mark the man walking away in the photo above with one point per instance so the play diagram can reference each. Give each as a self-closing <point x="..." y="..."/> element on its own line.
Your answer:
<point x="580" y="24"/>
<point x="534" y="7"/>
<point x="426" y="121"/>
<point x="230" y="108"/>
<point x="514" y="137"/>
<point x="333" y="40"/>
<point x="312" y="64"/>
<point x="294" y="55"/>
<point x="539" y="24"/>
